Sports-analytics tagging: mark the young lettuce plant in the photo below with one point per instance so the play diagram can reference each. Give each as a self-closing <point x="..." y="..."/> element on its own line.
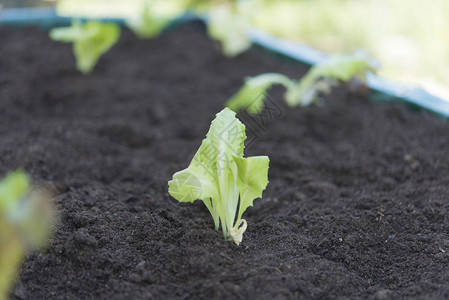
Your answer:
<point x="251" y="98"/>
<point x="90" y="40"/>
<point x="229" y="23"/>
<point x="221" y="177"/>
<point x="26" y="220"/>
<point x="148" y="25"/>
<point x="320" y="79"/>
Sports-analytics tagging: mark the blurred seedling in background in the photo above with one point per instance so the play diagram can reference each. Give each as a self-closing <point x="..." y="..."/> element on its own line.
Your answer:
<point x="27" y="218"/>
<point x="221" y="177"/>
<point x="320" y="79"/>
<point x="90" y="40"/>
<point x="227" y="21"/>
<point x="148" y="24"/>
<point x="229" y="24"/>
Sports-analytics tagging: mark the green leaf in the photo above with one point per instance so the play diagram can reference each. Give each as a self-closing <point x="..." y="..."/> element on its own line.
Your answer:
<point x="252" y="94"/>
<point x="90" y="40"/>
<point x="26" y="220"/>
<point x="36" y="218"/>
<point x="11" y="255"/>
<point x="252" y="179"/>
<point x="227" y="135"/>
<point x="30" y="211"/>
<point x="322" y="77"/>
<point x="213" y="173"/>
<point x="198" y="181"/>
<point x="13" y="188"/>
<point x="148" y="25"/>
<point x="229" y="28"/>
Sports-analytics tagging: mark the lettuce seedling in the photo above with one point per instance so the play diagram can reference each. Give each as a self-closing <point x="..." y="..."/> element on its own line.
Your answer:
<point x="221" y="177"/>
<point x="251" y="96"/>
<point x="26" y="220"/>
<point x="90" y="40"/>
<point x="228" y="25"/>
<point x="320" y="79"/>
<point x="148" y="25"/>
<point x="324" y="76"/>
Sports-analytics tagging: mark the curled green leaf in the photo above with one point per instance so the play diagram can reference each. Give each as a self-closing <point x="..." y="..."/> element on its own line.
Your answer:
<point x="322" y="77"/>
<point x="252" y="94"/>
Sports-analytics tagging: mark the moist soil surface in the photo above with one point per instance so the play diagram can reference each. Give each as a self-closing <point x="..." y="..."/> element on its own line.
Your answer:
<point x="357" y="205"/>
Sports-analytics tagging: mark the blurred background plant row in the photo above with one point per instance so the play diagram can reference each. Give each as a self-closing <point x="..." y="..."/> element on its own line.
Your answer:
<point x="409" y="37"/>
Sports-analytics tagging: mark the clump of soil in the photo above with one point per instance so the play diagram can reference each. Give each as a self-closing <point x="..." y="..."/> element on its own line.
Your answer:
<point x="357" y="205"/>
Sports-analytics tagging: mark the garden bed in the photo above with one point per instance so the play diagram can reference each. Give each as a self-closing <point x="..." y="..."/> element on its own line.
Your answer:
<point x="357" y="205"/>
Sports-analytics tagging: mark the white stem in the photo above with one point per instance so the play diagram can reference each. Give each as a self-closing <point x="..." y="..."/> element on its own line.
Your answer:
<point x="237" y="233"/>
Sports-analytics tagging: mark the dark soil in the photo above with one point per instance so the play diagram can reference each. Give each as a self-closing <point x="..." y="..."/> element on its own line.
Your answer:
<point x="357" y="205"/>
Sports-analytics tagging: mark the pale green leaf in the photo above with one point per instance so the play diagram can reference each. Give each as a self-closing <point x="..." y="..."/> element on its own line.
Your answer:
<point x="230" y="29"/>
<point x="90" y="40"/>
<point x="252" y="94"/>
<point x="31" y="211"/>
<point x="252" y="179"/>
<point x="227" y="135"/>
<point x="26" y="220"/>
<point x="13" y="188"/>
<point x="11" y="255"/>
<point x="148" y="25"/>
<point x="36" y="217"/>
<point x="322" y="77"/>
<point x="198" y="181"/>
